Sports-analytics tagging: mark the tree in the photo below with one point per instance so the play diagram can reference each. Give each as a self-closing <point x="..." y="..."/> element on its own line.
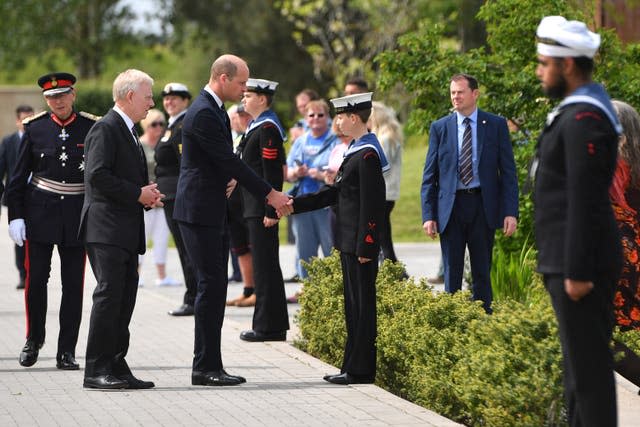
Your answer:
<point x="83" y="30"/>
<point x="253" y="30"/>
<point x="343" y="37"/>
<point x="506" y="71"/>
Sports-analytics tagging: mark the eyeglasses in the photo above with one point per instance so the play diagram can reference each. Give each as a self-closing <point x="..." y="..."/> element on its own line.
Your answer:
<point x="156" y="124"/>
<point x="320" y="115"/>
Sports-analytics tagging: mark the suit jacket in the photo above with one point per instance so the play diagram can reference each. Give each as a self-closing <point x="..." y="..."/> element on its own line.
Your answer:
<point x="208" y="164"/>
<point x="8" y="157"/>
<point x="496" y="170"/>
<point x="115" y="170"/>
<point x="576" y="231"/>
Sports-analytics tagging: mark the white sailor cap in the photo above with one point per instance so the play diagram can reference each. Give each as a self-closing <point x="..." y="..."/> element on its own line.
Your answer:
<point x="176" y="89"/>
<point x="350" y="103"/>
<point x="560" y="38"/>
<point x="262" y="86"/>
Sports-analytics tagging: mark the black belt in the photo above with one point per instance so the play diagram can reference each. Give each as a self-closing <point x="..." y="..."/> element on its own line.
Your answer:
<point x="474" y="190"/>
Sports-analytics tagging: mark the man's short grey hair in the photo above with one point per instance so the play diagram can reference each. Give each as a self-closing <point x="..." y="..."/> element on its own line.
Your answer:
<point x="129" y="80"/>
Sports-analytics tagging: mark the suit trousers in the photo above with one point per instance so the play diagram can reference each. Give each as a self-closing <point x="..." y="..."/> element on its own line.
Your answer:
<point x="208" y="250"/>
<point x="585" y="328"/>
<point x="468" y="227"/>
<point x="114" y="299"/>
<point x="187" y="267"/>
<point x="38" y="266"/>
<point x="270" y="313"/>
<point x="360" y="315"/>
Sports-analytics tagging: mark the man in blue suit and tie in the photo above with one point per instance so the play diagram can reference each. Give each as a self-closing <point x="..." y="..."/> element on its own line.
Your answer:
<point x="469" y="187"/>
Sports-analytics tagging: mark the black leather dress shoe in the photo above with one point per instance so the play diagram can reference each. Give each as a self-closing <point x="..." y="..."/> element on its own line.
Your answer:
<point x="105" y="382"/>
<point x="183" y="310"/>
<point x="346" y="378"/>
<point x="255" y="336"/>
<point x="135" y="383"/>
<point x="29" y="353"/>
<point x="67" y="362"/>
<point x="216" y="378"/>
<point x="20" y="284"/>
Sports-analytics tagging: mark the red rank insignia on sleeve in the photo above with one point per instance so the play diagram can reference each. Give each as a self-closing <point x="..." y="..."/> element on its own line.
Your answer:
<point x="368" y="239"/>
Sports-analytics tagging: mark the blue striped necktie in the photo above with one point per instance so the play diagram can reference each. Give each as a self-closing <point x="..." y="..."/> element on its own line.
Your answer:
<point x="465" y="167"/>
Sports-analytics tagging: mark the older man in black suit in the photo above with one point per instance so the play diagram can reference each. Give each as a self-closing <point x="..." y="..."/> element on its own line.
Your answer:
<point x="112" y="227"/>
<point x="8" y="158"/>
<point x="208" y="174"/>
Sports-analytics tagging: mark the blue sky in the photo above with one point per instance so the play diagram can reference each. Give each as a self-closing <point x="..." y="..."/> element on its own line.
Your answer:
<point x="141" y="8"/>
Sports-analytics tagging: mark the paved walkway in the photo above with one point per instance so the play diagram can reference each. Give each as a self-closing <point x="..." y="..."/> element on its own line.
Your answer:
<point x="284" y="387"/>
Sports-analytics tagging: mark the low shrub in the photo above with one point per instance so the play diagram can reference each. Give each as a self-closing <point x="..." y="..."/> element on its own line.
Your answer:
<point x="442" y="351"/>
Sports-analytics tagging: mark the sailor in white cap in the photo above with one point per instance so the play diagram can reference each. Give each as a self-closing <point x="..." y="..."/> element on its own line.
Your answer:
<point x="579" y="251"/>
<point x="359" y="194"/>
<point x="263" y="151"/>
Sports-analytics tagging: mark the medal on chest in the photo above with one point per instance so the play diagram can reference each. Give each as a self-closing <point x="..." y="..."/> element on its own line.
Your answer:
<point x="63" y="135"/>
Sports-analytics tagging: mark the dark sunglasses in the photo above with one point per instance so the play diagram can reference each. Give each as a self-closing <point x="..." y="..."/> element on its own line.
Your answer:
<point x="156" y="124"/>
<point x="316" y="115"/>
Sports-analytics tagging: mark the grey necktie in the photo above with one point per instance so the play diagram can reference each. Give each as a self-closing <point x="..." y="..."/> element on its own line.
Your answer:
<point x="465" y="167"/>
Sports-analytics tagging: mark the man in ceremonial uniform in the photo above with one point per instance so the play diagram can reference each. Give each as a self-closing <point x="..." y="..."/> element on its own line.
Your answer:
<point x="45" y="198"/>
<point x="579" y="250"/>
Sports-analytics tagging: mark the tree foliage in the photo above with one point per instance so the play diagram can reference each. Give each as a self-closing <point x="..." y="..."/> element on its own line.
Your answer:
<point x="85" y="31"/>
<point x="253" y="30"/>
<point x="506" y="71"/>
<point x="343" y="37"/>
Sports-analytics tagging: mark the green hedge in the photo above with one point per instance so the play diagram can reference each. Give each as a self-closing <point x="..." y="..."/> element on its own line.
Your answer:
<point x="442" y="351"/>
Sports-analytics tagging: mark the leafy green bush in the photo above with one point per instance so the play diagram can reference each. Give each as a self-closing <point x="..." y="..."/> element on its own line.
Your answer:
<point x="95" y="100"/>
<point x="630" y="338"/>
<point x="442" y="351"/>
<point x="513" y="274"/>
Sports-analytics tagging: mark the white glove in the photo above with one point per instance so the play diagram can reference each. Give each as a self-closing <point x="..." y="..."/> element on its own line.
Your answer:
<point x="18" y="231"/>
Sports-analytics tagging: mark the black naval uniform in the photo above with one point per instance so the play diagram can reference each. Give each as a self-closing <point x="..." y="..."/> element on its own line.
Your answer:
<point x="263" y="152"/>
<point x="577" y="238"/>
<point x="50" y="203"/>
<point x="359" y="195"/>
<point x="167" y="156"/>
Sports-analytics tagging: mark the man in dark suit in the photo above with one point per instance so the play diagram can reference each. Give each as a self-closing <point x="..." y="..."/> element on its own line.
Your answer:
<point x="579" y="249"/>
<point x="8" y="158"/>
<point x="112" y="227"/>
<point x="208" y="174"/>
<point x="45" y="197"/>
<point x="469" y="187"/>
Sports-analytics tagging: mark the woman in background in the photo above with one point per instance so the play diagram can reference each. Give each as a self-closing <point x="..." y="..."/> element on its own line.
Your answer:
<point x="385" y="126"/>
<point x="625" y="197"/>
<point x="155" y="225"/>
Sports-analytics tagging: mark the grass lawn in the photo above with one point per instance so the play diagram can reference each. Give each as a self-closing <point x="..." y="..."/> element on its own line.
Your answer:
<point x="406" y="217"/>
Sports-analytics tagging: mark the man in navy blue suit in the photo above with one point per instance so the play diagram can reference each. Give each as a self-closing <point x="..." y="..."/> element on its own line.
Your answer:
<point x="469" y="187"/>
<point x="208" y="174"/>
